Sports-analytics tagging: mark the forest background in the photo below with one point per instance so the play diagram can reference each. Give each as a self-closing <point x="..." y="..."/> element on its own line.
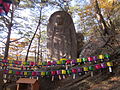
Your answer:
<point x="23" y="32"/>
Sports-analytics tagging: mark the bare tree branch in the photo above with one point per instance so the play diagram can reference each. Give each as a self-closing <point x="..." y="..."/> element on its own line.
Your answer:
<point x="16" y="39"/>
<point x="2" y="42"/>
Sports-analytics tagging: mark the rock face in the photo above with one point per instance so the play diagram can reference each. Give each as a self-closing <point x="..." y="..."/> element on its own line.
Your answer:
<point x="92" y="48"/>
<point x="61" y="34"/>
<point x="80" y="43"/>
<point x="99" y="45"/>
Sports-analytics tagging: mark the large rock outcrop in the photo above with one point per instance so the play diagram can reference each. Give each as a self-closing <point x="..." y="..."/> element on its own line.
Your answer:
<point x="61" y="34"/>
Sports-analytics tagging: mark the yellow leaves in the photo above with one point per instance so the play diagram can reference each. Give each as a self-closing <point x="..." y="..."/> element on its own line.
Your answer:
<point x="89" y="33"/>
<point x="106" y="4"/>
<point x="79" y="14"/>
<point x="112" y="1"/>
<point x="85" y="12"/>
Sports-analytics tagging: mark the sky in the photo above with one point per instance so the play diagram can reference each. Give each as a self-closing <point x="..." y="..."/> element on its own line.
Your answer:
<point x="27" y="13"/>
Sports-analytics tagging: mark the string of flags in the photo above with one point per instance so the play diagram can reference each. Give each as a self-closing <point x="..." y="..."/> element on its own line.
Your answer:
<point x="62" y="61"/>
<point x="5" y="6"/>
<point x="82" y="65"/>
<point x="72" y="71"/>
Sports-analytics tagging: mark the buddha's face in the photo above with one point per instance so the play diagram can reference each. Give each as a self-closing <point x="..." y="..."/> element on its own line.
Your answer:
<point x="59" y="20"/>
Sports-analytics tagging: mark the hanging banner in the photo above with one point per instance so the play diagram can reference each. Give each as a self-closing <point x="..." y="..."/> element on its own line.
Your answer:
<point x="76" y="70"/>
<point x="63" y="61"/>
<point x="32" y="69"/>
<point x="4" y="7"/>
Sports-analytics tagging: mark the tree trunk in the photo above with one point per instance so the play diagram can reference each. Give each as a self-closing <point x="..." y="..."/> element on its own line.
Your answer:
<point x="7" y="43"/>
<point x="1" y="80"/>
<point x="35" y="55"/>
<point x="9" y="25"/>
<point x="26" y="58"/>
<point x="38" y="54"/>
<point x="100" y="18"/>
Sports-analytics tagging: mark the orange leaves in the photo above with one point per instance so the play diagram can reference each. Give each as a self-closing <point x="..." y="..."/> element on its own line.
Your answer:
<point x="16" y="49"/>
<point x="21" y="45"/>
<point x="11" y="39"/>
<point x="88" y="7"/>
<point x="11" y="58"/>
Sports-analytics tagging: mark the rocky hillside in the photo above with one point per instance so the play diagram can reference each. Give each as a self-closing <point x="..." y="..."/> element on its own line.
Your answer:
<point x="102" y="80"/>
